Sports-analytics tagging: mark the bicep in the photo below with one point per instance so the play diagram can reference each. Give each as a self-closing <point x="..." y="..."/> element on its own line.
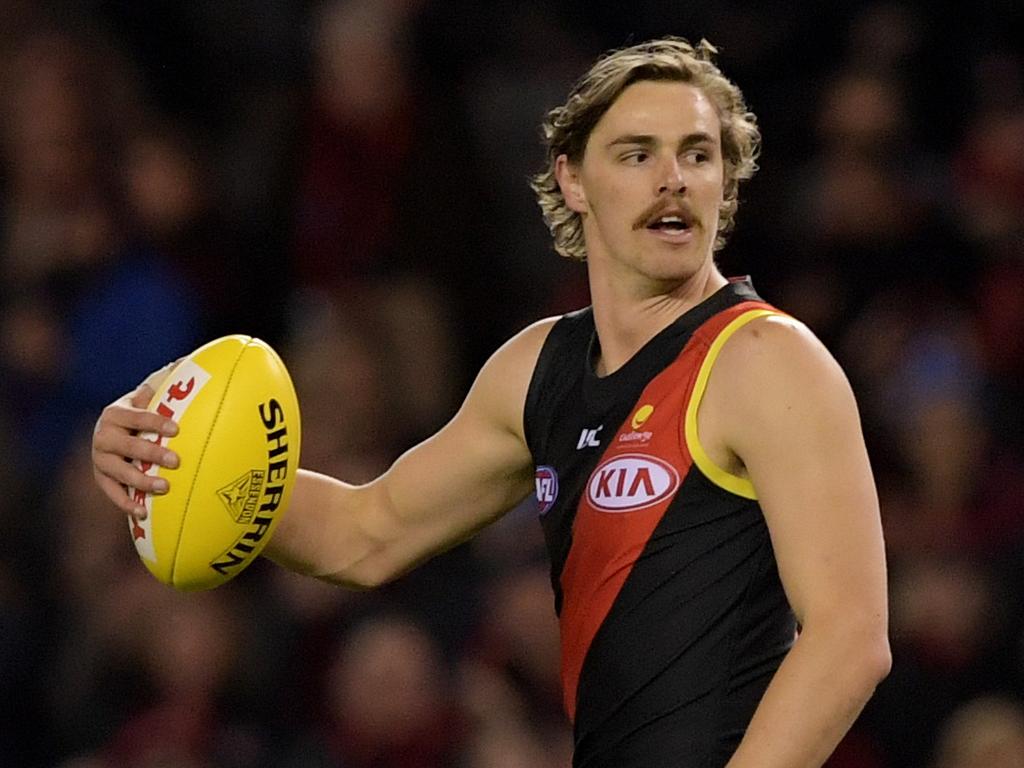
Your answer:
<point x="458" y="480"/>
<point x="434" y="496"/>
<point x="469" y="473"/>
<point x="798" y="435"/>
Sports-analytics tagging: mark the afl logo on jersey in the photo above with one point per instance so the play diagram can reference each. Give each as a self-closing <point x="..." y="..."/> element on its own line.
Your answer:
<point x="631" y="481"/>
<point x="546" y="480"/>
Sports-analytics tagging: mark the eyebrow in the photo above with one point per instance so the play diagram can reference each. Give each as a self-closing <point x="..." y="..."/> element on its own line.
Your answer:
<point x="647" y="140"/>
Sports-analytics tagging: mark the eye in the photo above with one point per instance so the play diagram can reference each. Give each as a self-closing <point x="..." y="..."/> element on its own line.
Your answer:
<point x="698" y="156"/>
<point x="635" y="157"/>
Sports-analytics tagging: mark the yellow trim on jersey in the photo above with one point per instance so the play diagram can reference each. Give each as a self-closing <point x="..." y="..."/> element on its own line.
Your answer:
<point x="730" y="482"/>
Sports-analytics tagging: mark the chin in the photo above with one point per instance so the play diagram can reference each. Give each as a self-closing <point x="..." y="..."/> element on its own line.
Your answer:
<point x="679" y="264"/>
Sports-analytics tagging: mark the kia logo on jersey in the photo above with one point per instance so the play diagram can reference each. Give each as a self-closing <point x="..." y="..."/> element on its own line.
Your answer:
<point x="631" y="481"/>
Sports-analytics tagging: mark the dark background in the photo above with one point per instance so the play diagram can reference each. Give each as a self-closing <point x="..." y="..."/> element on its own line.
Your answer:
<point x="348" y="180"/>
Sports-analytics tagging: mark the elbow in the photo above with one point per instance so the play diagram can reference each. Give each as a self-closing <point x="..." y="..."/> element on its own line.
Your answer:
<point x="371" y="578"/>
<point x="870" y="656"/>
<point x="356" y="582"/>
<point x="860" y="647"/>
<point x="366" y="574"/>
<point x="872" y="646"/>
<point x="870" y="664"/>
<point x="356" y="579"/>
<point x="879" y="659"/>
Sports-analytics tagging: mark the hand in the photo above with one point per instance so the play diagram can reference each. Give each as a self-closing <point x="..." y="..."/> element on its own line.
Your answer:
<point x="115" y="444"/>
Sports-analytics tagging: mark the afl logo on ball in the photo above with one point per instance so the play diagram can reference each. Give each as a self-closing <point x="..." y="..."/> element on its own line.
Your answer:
<point x="631" y="481"/>
<point x="546" y="480"/>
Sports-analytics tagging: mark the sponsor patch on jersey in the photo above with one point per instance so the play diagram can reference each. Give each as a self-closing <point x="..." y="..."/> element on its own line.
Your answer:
<point x="635" y="436"/>
<point x="643" y="413"/>
<point x="631" y="481"/>
<point x="639" y="438"/>
<point x="546" y="480"/>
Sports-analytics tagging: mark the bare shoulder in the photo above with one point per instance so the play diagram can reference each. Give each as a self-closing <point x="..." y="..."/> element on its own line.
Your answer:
<point x="516" y="358"/>
<point x="501" y="386"/>
<point x="777" y="351"/>
<point x="525" y="346"/>
<point x="773" y="376"/>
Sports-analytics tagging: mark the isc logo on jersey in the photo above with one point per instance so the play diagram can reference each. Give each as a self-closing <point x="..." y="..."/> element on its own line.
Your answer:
<point x="631" y="481"/>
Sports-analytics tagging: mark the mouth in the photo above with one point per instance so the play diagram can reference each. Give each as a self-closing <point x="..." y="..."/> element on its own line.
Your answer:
<point x="670" y="224"/>
<point x="673" y="225"/>
<point x="668" y="220"/>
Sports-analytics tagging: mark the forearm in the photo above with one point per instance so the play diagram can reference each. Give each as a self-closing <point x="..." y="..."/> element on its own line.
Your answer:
<point x="363" y="536"/>
<point x="324" y="532"/>
<point x="814" y="698"/>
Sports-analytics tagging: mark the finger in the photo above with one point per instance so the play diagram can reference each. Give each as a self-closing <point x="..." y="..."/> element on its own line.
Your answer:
<point x="124" y="451"/>
<point x="117" y="494"/>
<point x="130" y="419"/>
<point x="128" y="475"/>
<point x="124" y="445"/>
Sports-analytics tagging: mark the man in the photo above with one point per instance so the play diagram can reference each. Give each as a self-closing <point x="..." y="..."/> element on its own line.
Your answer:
<point x="700" y="469"/>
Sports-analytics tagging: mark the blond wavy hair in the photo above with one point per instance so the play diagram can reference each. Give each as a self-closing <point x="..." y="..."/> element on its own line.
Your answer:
<point x="568" y="127"/>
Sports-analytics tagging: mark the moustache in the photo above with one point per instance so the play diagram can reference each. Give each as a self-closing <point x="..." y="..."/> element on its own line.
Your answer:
<point x="662" y="208"/>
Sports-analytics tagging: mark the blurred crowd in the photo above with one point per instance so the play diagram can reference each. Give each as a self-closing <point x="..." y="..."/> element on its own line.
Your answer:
<point x="348" y="180"/>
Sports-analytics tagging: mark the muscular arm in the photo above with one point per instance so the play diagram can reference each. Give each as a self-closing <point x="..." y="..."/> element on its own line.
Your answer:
<point x="434" y="496"/>
<point x="783" y="411"/>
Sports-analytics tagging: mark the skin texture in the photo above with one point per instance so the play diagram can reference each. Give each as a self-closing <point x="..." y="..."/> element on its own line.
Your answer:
<point x="778" y="410"/>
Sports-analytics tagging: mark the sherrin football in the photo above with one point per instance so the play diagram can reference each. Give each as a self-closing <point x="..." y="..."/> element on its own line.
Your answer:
<point x="238" y="444"/>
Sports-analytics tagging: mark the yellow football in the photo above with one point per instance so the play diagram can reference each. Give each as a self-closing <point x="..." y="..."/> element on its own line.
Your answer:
<point x="238" y="443"/>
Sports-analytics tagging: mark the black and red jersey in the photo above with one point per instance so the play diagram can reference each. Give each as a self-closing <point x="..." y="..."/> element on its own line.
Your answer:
<point x="673" y="618"/>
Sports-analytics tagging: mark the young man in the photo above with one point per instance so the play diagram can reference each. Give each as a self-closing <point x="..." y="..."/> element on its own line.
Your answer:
<point x="698" y="459"/>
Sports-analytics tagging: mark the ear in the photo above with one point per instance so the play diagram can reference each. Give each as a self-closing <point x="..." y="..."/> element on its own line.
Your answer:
<point x="568" y="176"/>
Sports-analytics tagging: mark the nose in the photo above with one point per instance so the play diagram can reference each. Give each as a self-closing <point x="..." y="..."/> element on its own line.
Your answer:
<point x="672" y="180"/>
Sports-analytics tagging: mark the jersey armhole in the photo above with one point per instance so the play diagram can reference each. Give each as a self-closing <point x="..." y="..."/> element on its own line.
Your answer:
<point x="735" y="484"/>
<point x="536" y="390"/>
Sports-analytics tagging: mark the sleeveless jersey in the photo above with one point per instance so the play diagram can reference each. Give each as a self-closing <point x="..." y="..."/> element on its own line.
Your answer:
<point x="673" y="618"/>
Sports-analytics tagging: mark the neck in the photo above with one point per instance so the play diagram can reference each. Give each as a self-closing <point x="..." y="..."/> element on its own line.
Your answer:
<point x="628" y="316"/>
